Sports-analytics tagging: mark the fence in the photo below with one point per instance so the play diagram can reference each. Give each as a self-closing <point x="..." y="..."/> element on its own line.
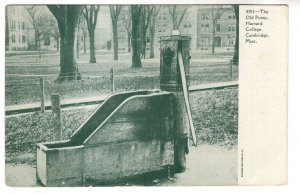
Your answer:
<point x="36" y="88"/>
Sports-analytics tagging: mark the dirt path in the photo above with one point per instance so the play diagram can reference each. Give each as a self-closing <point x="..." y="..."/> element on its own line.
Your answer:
<point x="206" y="165"/>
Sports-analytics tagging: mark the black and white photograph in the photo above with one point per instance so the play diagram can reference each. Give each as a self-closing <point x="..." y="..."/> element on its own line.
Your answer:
<point x="123" y="95"/>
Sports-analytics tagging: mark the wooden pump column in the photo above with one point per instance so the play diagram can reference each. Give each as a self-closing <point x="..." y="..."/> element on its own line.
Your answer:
<point x="170" y="80"/>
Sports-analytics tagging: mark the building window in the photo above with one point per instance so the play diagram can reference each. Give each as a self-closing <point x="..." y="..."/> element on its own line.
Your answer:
<point x="47" y="40"/>
<point x="217" y="41"/>
<point x="218" y="27"/>
<point x="231" y="15"/>
<point x="190" y="26"/>
<point x="19" y="38"/>
<point x="185" y="26"/>
<point x="13" y="24"/>
<point x="218" y="16"/>
<point x="13" y="38"/>
<point x="231" y="42"/>
<point x="19" y="26"/>
<point x="231" y="28"/>
<point x="23" y="25"/>
<point x="23" y="39"/>
<point x="204" y="16"/>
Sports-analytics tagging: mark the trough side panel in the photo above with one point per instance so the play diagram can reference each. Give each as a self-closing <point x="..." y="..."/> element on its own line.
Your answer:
<point x="113" y="161"/>
<point x="64" y="166"/>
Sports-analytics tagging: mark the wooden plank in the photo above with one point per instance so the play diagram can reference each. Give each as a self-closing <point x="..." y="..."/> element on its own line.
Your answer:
<point x="186" y="99"/>
<point x="212" y="86"/>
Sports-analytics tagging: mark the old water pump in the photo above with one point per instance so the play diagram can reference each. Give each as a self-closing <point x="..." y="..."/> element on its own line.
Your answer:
<point x="174" y="77"/>
<point x="130" y="133"/>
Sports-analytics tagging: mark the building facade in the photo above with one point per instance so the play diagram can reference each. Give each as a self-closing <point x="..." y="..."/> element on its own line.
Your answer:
<point x="205" y="24"/>
<point x="216" y="25"/>
<point x="17" y="28"/>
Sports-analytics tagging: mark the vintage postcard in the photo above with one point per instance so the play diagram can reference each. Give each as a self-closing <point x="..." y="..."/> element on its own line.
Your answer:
<point x="145" y="95"/>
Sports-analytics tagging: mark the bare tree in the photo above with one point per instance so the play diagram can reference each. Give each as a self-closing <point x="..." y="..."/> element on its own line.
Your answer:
<point x="38" y="23"/>
<point x="127" y="21"/>
<point x="177" y="13"/>
<point x="236" y="46"/>
<point x="152" y="29"/>
<point x="83" y="26"/>
<point x="6" y="30"/>
<point x="114" y="14"/>
<point x="136" y="11"/>
<point x="67" y="18"/>
<point x="90" y="14"/>
<point x="43" y="23"/>
<point x="145" y="20"/>
<point x="216" y="13"/>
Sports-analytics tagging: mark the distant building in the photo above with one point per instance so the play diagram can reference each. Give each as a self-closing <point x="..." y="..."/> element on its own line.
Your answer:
<point x="17" y="28"/>
<point x="197" y="23"/>
<point x="222" y="19"/>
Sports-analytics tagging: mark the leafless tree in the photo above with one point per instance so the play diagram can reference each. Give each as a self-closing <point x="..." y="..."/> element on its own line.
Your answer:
<point x="67" y="18"/>
<point x="152" y="29"/>
<point x="114" y="14"/>
<point x="136" y="11"/>
<point x="236" y="46"/>
<point x="216" y="12"/>
<point x="6" y="30"/>
<point x="146" y="14"/>
<point x="90" y="14"/>
<point x="127" y="21"/>
<point x="177" y="13"/>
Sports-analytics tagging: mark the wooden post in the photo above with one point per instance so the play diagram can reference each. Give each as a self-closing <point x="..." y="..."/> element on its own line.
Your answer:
<point x="56" y="111"/>
<point x="230" y="69"/>
<point x="42" y="95"/>
<point x="112" y="81"/>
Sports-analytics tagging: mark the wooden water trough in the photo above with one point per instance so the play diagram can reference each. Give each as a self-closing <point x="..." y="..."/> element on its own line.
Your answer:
<point x="127" y="135"/>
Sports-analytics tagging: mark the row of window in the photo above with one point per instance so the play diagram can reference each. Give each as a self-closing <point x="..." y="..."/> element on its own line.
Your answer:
<point x="21" y="39"/>
<point x="21" y="24"/>
<point x="207" y="16"/>
<point x="205" y="41"/>
<point x="205" y="28"/>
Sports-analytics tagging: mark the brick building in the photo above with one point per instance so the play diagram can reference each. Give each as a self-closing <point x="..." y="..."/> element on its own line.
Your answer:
<point x="197" y="23"/>
<point x="17" y="28"/>
<point x="222" y="18"/>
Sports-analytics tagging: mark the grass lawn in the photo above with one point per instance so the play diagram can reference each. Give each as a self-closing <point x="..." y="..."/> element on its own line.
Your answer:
<point x="214" y="112"/>
<point x="215" y="116"/>
<point x="96" y="80"/>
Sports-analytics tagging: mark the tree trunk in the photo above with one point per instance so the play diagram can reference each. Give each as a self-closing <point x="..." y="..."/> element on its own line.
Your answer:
<point x="68" y="64"/>
<point x="144" y="44"/>
<point x="213" y="37"/>
<point x="115" y="39"/>
<point x="129" y="41"/>
<point x="84" y="42"/>
<point x="236" y="46"/>
<point x="152" y="37"/>
<point x="92" y="46"/>
<point x="36" y="39"/>
<point x="136" y="60"/>
<point x="77" y="45"/>
<point x="175" y="25"/>
<point x="6" y="30"/>
<point x="57" y="43"/>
